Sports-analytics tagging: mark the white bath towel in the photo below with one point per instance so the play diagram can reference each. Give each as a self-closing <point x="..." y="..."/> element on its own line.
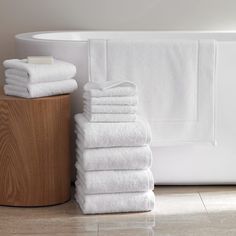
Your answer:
<point x="110" y="89"/>
<point x="110" y="117"/>
<point x="36" y="73"/>
<point x="175" y="80"/>
<point x="109" y="109"/>
<point x="120" y="158"/>
<point x="94" y="135"/>
<point x="114" y="181"/>
<point x="111" y="203"/>
<point x="132" y="100"/>
<point x="41" y="89"/>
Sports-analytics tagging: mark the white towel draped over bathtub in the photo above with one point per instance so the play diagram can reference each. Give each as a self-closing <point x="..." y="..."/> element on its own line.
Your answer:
<point x="175" y="80"/>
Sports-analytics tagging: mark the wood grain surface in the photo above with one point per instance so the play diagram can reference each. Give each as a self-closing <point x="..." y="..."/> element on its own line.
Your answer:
<point x="35" y="158"/>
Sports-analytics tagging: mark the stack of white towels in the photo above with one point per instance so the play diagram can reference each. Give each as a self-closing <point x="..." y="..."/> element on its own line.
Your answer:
<point x="110" y="101"/>
<point x="113" y="153"/>
<point x="30" y="80"/>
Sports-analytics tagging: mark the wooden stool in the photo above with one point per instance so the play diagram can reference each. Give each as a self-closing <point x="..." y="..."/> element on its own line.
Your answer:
<point x="35" y="158"/>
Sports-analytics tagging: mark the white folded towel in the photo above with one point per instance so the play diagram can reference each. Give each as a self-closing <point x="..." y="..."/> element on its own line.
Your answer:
<point x="120" y="158"/>
<point x="114" y="181"/>
<point x="92" y="135"/>
<point x="109" y="109"/>
<point x="41" y="89"/>
<point x="35" y="73"/>
<point x="110" y="89"/>
<point x="111" y="203"/>
<point x="132" y="100"/>
<point x="176" y="78"/>
<point x="110" y="117"/>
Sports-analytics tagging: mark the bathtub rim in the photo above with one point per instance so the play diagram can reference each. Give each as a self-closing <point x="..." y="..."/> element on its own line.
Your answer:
<point x="217" y="35"/>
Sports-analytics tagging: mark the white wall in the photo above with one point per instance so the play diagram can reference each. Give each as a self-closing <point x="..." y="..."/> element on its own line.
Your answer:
<point x="17" y="16"/>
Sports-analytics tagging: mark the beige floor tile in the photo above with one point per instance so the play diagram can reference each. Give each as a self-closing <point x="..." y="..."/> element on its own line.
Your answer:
<point x="223" y="220"/>
<point x="182" y="221"/>
<point x="178" y="204"/>
<point x="127" y="232"/>
<point x="115" y="220"/>
<point x="56" y="234"/>
<point x="68" y="209"/>
<point x="50" y="227"/>
<point x="219" y="200"/>
<point x="178" y="211"/>
<point x="129" y="224"/>
<point x="61" y="219"/>
<point x="201" y="231"/>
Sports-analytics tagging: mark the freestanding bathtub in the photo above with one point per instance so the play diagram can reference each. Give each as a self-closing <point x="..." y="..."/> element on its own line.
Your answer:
<point x="190" y="164"/>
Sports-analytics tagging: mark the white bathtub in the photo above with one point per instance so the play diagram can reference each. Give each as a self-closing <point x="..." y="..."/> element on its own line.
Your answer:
<point x="195" y="164"/>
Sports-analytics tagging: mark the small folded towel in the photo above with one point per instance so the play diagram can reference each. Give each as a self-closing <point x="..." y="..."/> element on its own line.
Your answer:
<point x="110" y="117"/>
<point x="111" y="203"/>
<point x="117" y="181"/>
<point x="132" y="100"/>
<point x="121" y="158"/>
<point x="110" y="89"/>
<point x="109" y="109"/>
<point x="41" y="89"/>
<point x="131" y="134"/>
<point x="36" y="73"/>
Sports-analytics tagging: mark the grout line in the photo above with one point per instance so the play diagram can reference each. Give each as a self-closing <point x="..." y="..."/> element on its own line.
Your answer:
<point x="203" y="202"/>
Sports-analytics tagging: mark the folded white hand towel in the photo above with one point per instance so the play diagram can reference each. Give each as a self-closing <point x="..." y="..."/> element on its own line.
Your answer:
<point x="109" y="109"/>
<point x="110" y="89"/>
<point x="35" y="73"/>
<point x="132" y="100"/>
<point x="119" y="202"/>
<point x="131" y="134"/>
<point x="120" y="158"/>
<point x="110" y="117"/>
<point x="41" y="89"/>
<point x="111" y="203"/>
<point x="114" y="181"/>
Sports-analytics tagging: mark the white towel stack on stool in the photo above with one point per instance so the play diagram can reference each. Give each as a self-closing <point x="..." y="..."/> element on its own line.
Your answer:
<point x="30" y="80"/>
<point x="113" y="153"/>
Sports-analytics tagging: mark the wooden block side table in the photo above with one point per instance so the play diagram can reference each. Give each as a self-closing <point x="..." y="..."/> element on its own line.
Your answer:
<point x="35" y="158"/>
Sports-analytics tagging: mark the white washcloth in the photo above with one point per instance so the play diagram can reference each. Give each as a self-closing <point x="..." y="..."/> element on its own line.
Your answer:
<point x="111" y="203"/>
<point x="110" y="89"/>
<point x="93" y="135"/>
<point x="109" y="109"/>
<point x="41" y="89"/>
<point x="176" y="81"/>
<point x="121" y="158"/>
<point x="132" y="100"/>
<point x="114" y="181"/>
<point x="110" y="117"/>
<point x="36" y="73"/>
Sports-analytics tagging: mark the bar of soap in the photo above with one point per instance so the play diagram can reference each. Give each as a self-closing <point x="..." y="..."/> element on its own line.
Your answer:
<point x="40" y="60"/>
